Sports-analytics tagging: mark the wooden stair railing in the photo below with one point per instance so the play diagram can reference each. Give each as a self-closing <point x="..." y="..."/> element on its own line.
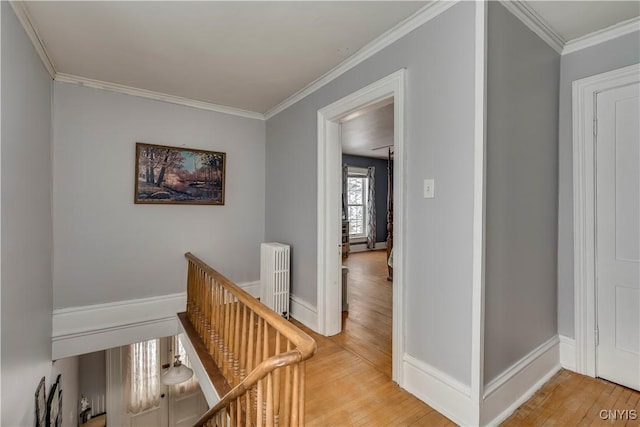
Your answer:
<point x="255" y="358"/>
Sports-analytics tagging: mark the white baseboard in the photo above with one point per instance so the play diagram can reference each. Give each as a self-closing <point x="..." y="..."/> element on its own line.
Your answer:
<point x="514" y="386"/>
<point x="79" y="330"/>
<point x="440" y="391"/>
<point x="304" y="312"/>
<point x="252" y="288"/>
<point x="568" y="353"/>
<point x="354" y="248"/>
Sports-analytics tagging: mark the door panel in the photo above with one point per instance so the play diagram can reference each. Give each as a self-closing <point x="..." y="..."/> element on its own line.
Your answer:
<point x="618" y="234"/>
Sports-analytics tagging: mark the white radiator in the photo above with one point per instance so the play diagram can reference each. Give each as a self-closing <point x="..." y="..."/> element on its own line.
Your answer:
<point x="274" y="277"/>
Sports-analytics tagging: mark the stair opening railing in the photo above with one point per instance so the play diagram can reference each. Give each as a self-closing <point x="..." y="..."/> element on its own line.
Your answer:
<point x="255" y="358"/>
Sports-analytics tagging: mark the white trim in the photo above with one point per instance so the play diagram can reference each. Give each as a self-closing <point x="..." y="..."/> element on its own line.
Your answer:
<point x="442" y="392"/>
<point x="23" y="16"/>
<point x="530" y="18"/>
<point x="362" y="247"/>
<point x="479" y="221"/>
<point x="85" y="329"/>
<point x="304" y="312"/>
<point x="329" y="305"/>
<point x="614" y="31"/>
<point x="403" y="28"/>
<point x="584" y="91"/>
<point x="113" y="386"/>
<point x="567" y="353"/>
<point x="158" y="96"/>
<point x="518" y="383"/>
<point x="209" y="391"/>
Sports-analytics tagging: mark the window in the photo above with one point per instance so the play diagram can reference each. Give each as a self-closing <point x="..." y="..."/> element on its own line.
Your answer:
<point x="357" y="202"/>
<point x="143" y="379"/>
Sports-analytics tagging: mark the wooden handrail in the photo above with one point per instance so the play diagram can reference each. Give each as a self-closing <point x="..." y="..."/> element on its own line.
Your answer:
<point x="252" y="379"/>
<point x="302" y="341"/>
<point x="259" y="356"/>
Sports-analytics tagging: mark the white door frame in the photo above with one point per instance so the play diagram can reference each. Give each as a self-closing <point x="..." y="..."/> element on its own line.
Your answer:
<point x="329" y="279"/>
<point x="584" y="92"/>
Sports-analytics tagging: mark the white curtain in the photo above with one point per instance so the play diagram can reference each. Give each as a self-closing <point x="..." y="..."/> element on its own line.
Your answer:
<point x="345" y="177"/>
<point x="190" y="385"/>
<point x="371" y="208"/>
<point x="143" y="375"/>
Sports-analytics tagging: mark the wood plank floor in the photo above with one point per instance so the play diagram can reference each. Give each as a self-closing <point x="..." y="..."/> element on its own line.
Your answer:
<point x="570" y="399"/>
<point x="349" y="378"/>
<point x="366" y="328"/>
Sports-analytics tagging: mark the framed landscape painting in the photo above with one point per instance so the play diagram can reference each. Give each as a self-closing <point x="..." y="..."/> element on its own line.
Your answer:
<point x="178" y="175"/>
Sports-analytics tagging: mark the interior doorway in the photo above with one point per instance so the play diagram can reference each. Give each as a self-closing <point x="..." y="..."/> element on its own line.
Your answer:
<point x="387" y="91"/>
<point x="367" y="234"/>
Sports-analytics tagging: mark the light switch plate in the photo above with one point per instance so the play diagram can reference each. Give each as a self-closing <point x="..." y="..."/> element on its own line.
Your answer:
<point x="429" y="188"/>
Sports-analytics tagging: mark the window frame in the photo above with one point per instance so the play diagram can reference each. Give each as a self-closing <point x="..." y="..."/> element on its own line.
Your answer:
<point x="361" y="173"/>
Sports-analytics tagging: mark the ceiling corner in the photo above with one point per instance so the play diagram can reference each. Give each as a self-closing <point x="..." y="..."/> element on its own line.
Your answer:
<point x="20" y="9"/>
<point x="535" y="22"/>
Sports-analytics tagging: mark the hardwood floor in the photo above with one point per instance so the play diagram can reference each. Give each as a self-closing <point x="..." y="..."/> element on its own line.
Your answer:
<point x="349" y="379"/>
<point x="344" y="389"/>
<point x="366" y="328"/>
<point x="570" y="399"/>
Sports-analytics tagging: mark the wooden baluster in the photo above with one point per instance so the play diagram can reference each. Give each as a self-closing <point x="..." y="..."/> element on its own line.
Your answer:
<point x="286" y="410"/>
<point x="236" y="344"/>
<point x="216" y="331"/>
<point x="243" y="346"/>
<point x="226" y="334"/>
<point x="231" y="339"/>
<point x="301" y="368"/>
<point x="269" y="415"/>
<point x="259" y="420"/>
<point x="295" y="406"/>
<point x="276" y="384"/>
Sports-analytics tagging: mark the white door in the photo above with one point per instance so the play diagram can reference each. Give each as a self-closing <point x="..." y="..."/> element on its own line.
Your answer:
<point x="174" y="406"/>
<point x="618" y="235"/>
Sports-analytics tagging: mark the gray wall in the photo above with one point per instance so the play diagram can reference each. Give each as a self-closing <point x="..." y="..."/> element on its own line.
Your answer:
<point x="25" y="223"/>
<point x="108" y="249"/>
<point x="381" y="184"/>
<point x="601" y="58"/>
<point x="439" y="58"/>
<point x="521" y="191"/>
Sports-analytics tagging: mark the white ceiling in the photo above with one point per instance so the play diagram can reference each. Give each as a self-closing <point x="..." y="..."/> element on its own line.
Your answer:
<point x="370" y="132"/>
<point x="245" y="55"/>
<point x="574" y="19"/>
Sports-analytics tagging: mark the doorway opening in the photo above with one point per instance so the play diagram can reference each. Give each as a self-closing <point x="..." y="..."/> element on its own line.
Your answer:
<point x="367" y="234"/>
<point x="389" y="92"/>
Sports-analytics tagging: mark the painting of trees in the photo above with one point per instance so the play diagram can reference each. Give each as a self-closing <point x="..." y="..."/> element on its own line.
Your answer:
<point x="179" y="175"/>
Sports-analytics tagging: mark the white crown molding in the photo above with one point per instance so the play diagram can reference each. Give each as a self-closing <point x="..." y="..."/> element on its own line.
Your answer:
<point x="23" y="16"/>
<point x="158" y="96"/>
<point x="535" y="22"/>
<point x="400" y="30"/>
<point x="597" y="37"/>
